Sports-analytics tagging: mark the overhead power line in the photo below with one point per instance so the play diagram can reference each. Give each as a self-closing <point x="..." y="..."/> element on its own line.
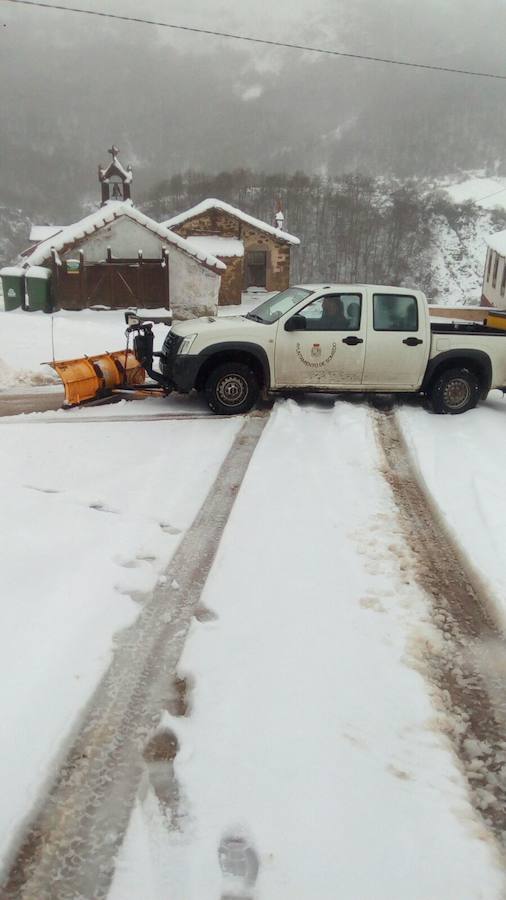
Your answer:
<point x="256" y="40"/>
<point x="487" y="196"/>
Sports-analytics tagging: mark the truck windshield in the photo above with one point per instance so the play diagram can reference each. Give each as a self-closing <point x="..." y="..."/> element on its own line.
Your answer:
<point x="271" y="310"/>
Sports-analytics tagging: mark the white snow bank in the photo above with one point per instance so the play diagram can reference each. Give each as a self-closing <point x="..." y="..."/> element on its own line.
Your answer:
<point x="461" y="460"/>
<point x="89" y="514"/>
<point x="26" y="341"/>
<point x="11" y="378"/>
<point x="308" y="731"/>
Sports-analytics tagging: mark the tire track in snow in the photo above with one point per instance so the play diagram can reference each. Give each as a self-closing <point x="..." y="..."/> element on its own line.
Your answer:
<point x="468" y="664"/>
<point x="68" y="850"/>
<point x="84" y="420"/>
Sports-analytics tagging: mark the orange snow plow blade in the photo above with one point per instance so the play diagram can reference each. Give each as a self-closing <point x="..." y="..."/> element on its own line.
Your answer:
<point x="94" y="377"/>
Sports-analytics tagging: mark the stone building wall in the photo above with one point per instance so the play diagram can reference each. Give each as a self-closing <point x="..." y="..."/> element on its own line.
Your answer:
<point x="213" y="221"/>
<point x="218" y="222"/>
<point x="278" y="256"/>
<point x="231" y="280"/>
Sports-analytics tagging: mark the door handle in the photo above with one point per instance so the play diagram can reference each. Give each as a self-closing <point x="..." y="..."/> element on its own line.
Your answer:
<point x="412" y="342"/>
<point x="352" y="341"/>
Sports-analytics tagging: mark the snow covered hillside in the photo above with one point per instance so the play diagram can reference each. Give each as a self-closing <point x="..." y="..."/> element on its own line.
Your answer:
<point x="459" y="237"/>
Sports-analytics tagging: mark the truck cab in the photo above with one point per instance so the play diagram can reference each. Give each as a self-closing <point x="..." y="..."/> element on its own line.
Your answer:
<point x="314" y="337"/>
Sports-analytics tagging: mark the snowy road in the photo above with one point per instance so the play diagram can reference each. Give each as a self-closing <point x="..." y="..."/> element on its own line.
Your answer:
<point x="318" y="757"/>
<point x="19" y="402"/>
<point x="73" y="840"/>
<point x="330" y="728"/>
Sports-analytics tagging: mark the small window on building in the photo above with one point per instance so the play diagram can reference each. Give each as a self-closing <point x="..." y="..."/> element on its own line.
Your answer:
<point x="395" y="312"/>
<point x="489" y="267"/>
<point x="496" y="266"/>
<point x="503" y="279"/>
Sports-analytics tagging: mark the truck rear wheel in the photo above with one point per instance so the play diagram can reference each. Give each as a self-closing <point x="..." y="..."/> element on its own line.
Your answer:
<point x="454" y="391"/>
<point x="231" y="389"/>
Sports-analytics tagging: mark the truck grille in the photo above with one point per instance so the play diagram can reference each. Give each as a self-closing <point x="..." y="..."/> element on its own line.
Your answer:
<point x="170" y="347"/>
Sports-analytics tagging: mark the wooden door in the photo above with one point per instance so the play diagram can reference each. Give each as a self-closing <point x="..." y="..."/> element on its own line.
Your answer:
<point x="120" y="285"/>
<point x="255" y="269"/>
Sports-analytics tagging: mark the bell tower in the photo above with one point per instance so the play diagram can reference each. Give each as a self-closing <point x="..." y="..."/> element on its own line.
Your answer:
<point x="115" y="180"/>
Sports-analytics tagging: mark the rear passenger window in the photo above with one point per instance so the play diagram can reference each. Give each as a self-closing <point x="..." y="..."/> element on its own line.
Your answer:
<point x="395" y="312"/>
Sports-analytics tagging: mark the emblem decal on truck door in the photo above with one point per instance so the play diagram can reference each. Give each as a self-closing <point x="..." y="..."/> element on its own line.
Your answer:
<point x="316" y="352"/>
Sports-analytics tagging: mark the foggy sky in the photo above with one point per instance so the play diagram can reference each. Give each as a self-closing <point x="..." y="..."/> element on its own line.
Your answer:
<point x="70" y="84"/>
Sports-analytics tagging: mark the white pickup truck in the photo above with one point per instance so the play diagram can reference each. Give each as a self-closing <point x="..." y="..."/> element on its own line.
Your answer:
<point x="335" y="338"/>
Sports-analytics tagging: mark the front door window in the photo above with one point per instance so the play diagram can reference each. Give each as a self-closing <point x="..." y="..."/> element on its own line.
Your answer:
<point x="335" y="312"/>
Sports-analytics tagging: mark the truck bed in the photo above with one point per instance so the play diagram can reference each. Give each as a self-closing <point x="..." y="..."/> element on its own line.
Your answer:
<point x="469" y="328"/>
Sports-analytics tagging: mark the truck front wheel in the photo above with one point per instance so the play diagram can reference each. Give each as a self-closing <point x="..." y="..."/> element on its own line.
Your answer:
<point x="231" y="389"/>
<point x="454" y="391"/>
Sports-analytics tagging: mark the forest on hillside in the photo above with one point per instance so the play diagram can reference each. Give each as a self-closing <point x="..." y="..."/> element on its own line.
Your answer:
<point x="352" y="228"/>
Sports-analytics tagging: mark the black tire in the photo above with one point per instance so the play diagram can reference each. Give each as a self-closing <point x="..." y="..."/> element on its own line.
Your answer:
<point x="454" y="392"/>
<point x="231" y="389"/>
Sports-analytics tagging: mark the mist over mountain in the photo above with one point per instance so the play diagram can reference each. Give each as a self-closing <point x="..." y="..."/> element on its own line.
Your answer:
<point x="172" y="101"/>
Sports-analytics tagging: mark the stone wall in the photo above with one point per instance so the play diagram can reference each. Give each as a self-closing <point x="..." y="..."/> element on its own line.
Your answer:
<point x="193" y="289"/>
<point x="214" y="221"/>
<point x="231" y="280"/>
<point x="218" y="222"/>
<point x="278" y="256"/>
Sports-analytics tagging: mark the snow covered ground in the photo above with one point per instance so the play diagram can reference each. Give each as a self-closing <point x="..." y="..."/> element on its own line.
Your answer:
<point x="459" y="248"/>
<point x="485" y="192"/>
<point x="458" y="260"/>
<point x="90" y="516"/>
<point x="312" y="740"/>
<point x="461" y="461"/>
<point x="310" y="748"/>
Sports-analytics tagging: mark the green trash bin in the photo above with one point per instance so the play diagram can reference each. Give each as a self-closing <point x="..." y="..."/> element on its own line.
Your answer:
<point x="13" y="287"/>
<point x="38" y="288"/>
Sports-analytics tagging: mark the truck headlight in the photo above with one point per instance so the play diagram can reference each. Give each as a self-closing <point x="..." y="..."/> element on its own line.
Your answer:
<point x="186" y="344"/>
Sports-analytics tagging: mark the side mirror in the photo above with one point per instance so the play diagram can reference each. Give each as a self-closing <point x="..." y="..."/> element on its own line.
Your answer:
<point x="296" y="323"/>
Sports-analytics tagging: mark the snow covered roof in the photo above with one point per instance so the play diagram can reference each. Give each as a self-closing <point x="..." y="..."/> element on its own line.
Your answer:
<point x="38" y="272"/>
<point x="212" y="203"/>
<point x="497" y="242"/>
<point x="14" y="271"/>
<point x="43" y="232"/>
<point x="107" y="214"/>
<point x="218" y="246"/>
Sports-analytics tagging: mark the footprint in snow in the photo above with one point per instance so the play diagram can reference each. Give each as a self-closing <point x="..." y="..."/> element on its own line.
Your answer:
<point x="168" y="528"/>
<point x="239" y="864"/>
<point x="100" y="507"/>
<point x="40" y="490"/>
